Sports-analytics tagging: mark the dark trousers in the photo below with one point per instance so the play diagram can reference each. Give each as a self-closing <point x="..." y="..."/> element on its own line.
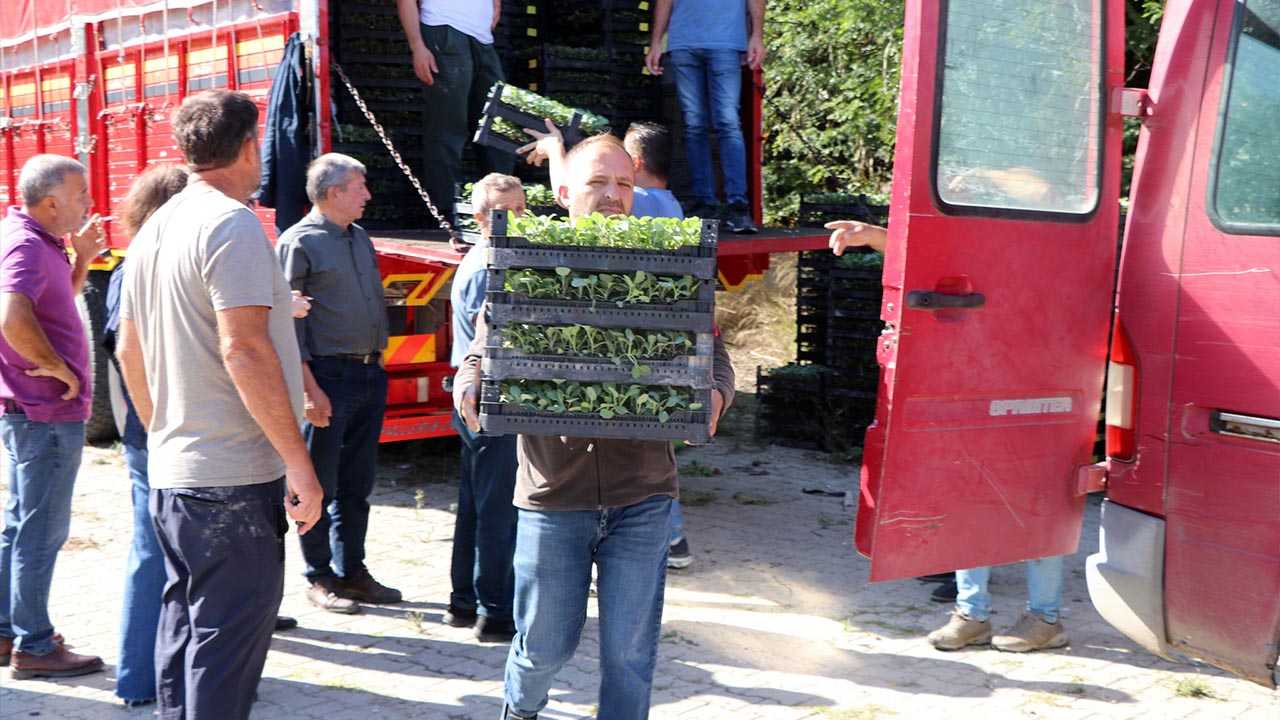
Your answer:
<point x="224" y="565"/>
<point x="345" y="455"/>
<point x="484" y="534"/>
<point x="454" y="106"/>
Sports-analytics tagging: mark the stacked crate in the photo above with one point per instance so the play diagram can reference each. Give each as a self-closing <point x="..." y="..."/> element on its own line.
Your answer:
<point x="369" y="43"/>
<point x="837" y="329"/>
<point x="507" y="309"/>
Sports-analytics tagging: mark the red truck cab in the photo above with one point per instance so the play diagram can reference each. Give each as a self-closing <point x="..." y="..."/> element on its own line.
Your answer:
<point x="1000" y="294"/>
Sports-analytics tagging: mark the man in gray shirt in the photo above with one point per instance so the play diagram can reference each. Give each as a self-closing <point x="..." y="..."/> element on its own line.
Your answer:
<point x="208" y="355"/>
<point x="330" y="259"/>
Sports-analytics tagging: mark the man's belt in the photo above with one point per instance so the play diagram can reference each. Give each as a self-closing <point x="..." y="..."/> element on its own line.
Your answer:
<point x="362" y="358"/>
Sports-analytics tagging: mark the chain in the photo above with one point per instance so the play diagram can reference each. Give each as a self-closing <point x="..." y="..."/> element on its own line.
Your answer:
<point x="395" y="155"/>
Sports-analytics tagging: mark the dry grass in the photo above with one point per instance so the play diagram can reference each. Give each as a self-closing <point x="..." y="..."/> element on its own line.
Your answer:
<point x="758" y="322"/>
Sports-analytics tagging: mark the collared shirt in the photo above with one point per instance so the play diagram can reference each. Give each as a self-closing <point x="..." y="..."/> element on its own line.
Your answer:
<point x="34" y="262"/>
<point x="708" y="25"/>
<point x="466" y="296"/>
<point x="656" y="202"/>
<point x="338" y="269"/>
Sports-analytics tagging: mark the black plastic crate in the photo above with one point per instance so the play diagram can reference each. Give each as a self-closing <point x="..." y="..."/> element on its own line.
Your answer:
<point x="496" y="108"/>
<point x="693" y="370"/>
<point x="697" y="315"/>
<point x="499" y="418"/>
<point x="510" y="252"/>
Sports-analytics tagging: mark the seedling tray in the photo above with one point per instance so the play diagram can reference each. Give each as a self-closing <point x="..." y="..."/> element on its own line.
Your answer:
<point x="676" y="261"/>
<point x="498" y="418"/>
<point x="696" y="315"/>
<point x="688" y="370"/>
<point x="495" y="108"/>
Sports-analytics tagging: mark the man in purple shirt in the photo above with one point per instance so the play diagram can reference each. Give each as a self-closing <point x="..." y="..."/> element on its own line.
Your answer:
<point x="45" y="395"/>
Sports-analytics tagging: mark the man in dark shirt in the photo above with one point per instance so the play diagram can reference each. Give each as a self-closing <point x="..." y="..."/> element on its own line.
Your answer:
<point x="589" y="500"/>
<point x="331" y="260"/>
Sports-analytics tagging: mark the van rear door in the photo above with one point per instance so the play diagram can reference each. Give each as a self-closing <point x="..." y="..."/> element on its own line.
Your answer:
<point x="999" y="279"/>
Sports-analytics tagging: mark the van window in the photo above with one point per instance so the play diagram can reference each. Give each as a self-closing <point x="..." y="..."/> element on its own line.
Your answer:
<point x="1246" y="189"/>
<point x="1019" y="120"/>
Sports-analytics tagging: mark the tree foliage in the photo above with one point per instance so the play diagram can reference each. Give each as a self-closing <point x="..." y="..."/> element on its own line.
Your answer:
<point x="831" y="94"/>
<point x="831" y="98"/>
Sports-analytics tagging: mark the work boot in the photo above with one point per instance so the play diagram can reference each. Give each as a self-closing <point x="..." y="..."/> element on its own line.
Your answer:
<point x="60" y="662"/>
<point x="6" y="646"/>
<point x="323" y="595"/>
<point x="961" y="632"/>
<point x="1031" y="633"/>
<point x="361" y="586"/>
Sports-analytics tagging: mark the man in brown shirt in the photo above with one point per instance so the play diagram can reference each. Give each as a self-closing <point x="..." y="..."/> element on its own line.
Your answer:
<point x="589" y="500"/>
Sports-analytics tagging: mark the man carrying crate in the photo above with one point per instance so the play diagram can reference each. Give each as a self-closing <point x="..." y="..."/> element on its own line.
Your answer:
<point x="589" y="500"/>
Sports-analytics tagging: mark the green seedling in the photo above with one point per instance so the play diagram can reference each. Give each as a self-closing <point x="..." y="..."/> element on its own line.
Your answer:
<point x="607" y="400"/>
<point x="596" y="230"/>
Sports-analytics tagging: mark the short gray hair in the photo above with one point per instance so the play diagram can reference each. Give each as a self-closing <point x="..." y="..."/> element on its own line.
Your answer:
<point x="43" y="174"/>
<point x="484" y="192"/>
<point x="329" y="171"/>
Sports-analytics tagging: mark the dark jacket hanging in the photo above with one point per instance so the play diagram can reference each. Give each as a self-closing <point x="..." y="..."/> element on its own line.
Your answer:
<point x="285" y="149"/>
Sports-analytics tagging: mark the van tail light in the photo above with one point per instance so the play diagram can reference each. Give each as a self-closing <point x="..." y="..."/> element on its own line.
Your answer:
<point x="1122" y="396"/>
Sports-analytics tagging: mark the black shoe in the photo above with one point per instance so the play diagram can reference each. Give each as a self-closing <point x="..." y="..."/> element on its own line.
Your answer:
<point x="284" y="622"/>
<point x="678" y="556"/>
<point x="509" y="714"/>
<point x="944" y="593"/>
<point x="701" y="209"/>
<point x="139" y="703"/>
<point x="493" y="631"/>
<point x="937" y="577"/>
<point x="457" y="617"/>
<point x="738" y="220"/>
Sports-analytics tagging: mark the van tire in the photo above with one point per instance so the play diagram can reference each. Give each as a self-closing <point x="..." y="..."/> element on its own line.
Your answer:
<point x="92" y="303"/>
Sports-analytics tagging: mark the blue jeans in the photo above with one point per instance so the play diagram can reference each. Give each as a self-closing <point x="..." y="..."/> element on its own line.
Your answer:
<point x="709" y="84"/>
<point x="43" y="460"/>
<point x="554" y="552"/>
<point x="1044" y="590"/>
<point x="143" y="589"/>
<point x="345" y="455"/>
<point x="484" y="533"/>
<point x="677" y="522"/>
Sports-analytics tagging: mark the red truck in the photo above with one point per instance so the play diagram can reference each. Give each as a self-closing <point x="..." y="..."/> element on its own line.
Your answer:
<point x="97" y="79"/>
<point x="1005" y="314"/>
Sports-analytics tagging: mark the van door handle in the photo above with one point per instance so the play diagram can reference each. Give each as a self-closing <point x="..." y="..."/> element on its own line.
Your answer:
<point x="930" y="300"/>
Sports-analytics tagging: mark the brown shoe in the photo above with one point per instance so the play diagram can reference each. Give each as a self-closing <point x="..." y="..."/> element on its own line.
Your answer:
<point x="323" y="594"/>
<point x="961" y="632"/>
<point x="1031" y="633"/>
<point x="61" y="662"/>
<point x="361" y="586"/>
<point x="6" y="647"/>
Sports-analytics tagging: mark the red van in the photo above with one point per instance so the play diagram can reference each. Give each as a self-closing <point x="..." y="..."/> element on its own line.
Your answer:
<point x="1004" y="314"/>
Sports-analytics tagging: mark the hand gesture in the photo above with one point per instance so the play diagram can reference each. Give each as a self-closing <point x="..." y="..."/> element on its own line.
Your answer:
<point x="301" y="304"/>
<point x="317" y="408"/>
<point x="653" y="61"/>
<point x="424" y="66"/>
<point x="88" y="240"/>
<point x="468" y="406"/>
<point x="63" y="373"/>
<point x="544" y="145"/>
<point x="755" y="53"/>
<point x="303" y="498"/>
<point x="717" y="407"/>
<point x="851" y="233"/>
